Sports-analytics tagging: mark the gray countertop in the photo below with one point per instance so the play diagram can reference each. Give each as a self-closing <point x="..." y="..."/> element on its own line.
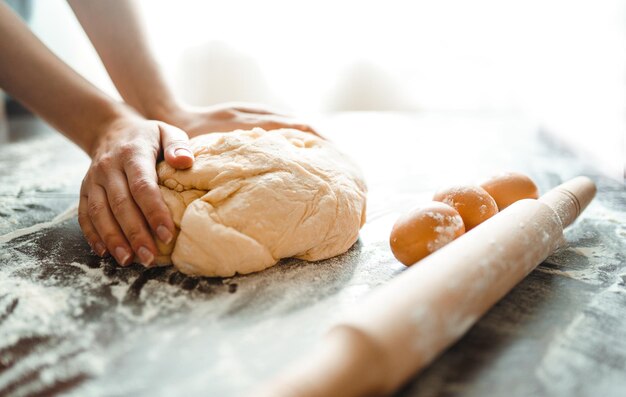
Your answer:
<point x="74" y="324"/>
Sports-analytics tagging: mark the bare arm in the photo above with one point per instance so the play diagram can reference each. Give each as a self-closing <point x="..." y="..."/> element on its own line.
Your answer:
<point x="120" y="203"/>
<point x="114" y="27"/>
<point x="46" y="85"/>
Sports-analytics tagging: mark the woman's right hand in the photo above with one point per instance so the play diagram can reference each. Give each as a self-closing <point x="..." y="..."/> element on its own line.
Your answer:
<point x="225" y="117"/>
<point x="120" y="206"/>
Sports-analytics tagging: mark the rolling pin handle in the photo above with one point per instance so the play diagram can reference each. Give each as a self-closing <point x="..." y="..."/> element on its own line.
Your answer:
<point x="570" y="199"/>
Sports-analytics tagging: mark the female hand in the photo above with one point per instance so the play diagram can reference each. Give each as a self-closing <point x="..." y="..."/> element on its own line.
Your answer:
<point x="228" y="117"/>
<point x="120" y="202"/>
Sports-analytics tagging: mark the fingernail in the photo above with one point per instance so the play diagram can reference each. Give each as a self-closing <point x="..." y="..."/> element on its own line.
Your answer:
<point x="122" y="255"/>
<point x="145" y="256"/>
<point x="164" y="234"/>
<point x="100" y="249"/>
<point x="181" y="151"/>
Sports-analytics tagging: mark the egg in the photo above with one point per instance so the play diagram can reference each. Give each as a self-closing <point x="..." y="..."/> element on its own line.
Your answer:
<point x="424" y="230"/>
<point x="507" y="188"/>
<point x="473" y="203"/>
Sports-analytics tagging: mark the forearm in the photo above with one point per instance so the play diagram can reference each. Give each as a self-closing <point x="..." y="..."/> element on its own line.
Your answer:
<point x="115" y="29"/>
<point x="36" y="77"/>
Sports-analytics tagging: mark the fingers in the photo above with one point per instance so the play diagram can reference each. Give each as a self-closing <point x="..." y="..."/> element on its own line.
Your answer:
<point x="121" y="207"/>
<point x="129" y="217"/>
<point x="254" y="108"/>
<point x="269" y="119"/>
<point x="106" y="226"/>
<point x="142" y="180"/>
<point x="176" y="149"/>
<point x="272" y="122"/>
<point x="113" y="209"/>
<point x="89" y="230"/>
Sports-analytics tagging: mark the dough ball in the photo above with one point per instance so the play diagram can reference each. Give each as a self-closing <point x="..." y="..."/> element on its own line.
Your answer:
<point x="254" y="197"/>
<point x="424" y="230"/>
<point x="507" y="188"/>
<point x="473" y="203"/>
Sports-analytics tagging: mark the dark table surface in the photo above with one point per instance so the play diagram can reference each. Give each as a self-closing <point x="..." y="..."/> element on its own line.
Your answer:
<point x="74" y="324"/>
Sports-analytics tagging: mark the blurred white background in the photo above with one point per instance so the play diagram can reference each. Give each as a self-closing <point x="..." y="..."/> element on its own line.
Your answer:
<point x="559" y="62"/>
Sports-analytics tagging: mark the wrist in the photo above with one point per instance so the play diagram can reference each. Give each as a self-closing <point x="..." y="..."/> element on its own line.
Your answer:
<point x="166" y="110"/>
<point x="112" y="113"/>
<point x="176" y="114"/>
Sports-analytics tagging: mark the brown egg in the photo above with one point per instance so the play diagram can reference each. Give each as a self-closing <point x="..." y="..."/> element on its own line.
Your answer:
<point x="510" y="187"/>
<point x="424" y="230"/>
<point x="473" y="203"/>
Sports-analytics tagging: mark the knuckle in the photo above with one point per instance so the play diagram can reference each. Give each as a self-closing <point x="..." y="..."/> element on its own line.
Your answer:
<point x="118" y="202"/>
<point x="134" y="163"/>
<point x="156" y="215"/>
<point x="112" y="239"/>
<point x="127" y="150"/>
<point x="136" y="236"/>
<point x="142" y="186"/>
<point x="103" y="163"/>
<point x="95" y="208"/>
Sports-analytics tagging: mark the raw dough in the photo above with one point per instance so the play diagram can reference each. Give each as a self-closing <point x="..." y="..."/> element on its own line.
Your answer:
<point x="254" y="197"/>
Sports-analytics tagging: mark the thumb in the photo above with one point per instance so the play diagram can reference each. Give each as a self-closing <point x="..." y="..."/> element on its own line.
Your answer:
<point x="176" y="149"/>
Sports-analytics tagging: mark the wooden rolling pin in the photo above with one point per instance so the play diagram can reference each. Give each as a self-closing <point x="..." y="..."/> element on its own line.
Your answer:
<point x="402" y="326"/>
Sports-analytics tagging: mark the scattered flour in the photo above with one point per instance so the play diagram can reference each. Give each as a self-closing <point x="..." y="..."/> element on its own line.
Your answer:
<point x="62" y="217"/>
